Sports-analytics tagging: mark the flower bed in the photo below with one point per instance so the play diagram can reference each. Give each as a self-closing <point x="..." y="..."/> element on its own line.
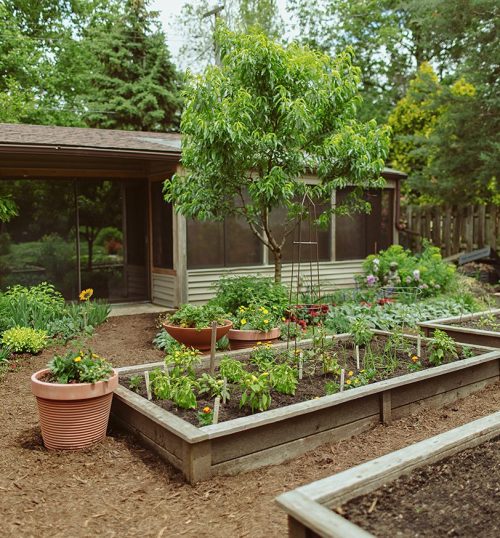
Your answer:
<point x="309" y="507"/>
<point x="480" y="328"/>
<point x="278" y="434"/>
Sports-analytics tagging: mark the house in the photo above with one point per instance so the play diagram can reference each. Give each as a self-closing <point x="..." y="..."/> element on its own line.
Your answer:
<point x="92" y="214"/>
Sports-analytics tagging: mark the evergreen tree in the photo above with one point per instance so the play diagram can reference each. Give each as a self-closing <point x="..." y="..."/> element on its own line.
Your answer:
<point x="133" y="83"/>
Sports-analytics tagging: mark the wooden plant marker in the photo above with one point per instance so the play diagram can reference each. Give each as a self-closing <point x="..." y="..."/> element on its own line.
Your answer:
<point x="224" y="389"/>
<point x="148" y="384"/>
<point x="301" y="365"/>
<point x="419" y="346"/>
<point x="216" y="410"/>
<point x="357" y="356"/>
<point x="342" y="379"/>
<point x="213" y="341"/>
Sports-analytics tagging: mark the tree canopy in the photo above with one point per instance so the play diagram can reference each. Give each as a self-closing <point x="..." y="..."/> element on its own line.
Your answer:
<point x="254" y="126"/>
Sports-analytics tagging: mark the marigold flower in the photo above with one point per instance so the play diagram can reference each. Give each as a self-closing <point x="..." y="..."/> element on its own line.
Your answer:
<point x="350" y="372"/>
<point x="265" y="311"/>
<point x="77" y="359"/>
<point x="207" y="410"/>
<point x="266" y="321"/>
<point x="243" y="321"/>
<point x="348" y="381"/>
<point x="85" y="295"/>
<point x="414" y="358"/>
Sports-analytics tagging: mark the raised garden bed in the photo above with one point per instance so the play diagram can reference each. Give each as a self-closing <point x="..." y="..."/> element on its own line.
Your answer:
<point x="480" y="328"/>
<point x="310" y="508"/>
<point x="279" y="434"/>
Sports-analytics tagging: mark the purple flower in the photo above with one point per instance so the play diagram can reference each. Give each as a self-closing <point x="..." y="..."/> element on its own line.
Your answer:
<point x="370" y="280"/>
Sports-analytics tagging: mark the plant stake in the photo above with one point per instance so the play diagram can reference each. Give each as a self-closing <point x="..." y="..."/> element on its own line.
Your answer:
<point x="342" y="380"/>
<point x="148" y="384"/>
<point x="215" y="420"/>
<point x="357" y="356"/>
<point x="301" y="364"/>
<point x="213" y="341"/>
<point x="224" y="390"/>
<point x="419" y="346"/>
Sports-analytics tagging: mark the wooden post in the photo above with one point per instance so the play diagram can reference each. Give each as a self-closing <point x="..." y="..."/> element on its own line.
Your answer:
<point x="148" y="385"/>
<point x="342" y="380"/>
<point x="357" y="357"/>
<point x="197" y="461"/>
<point x="385" y="407"/>
<point x="216" y="410"/>
<point x="213" y="342"/>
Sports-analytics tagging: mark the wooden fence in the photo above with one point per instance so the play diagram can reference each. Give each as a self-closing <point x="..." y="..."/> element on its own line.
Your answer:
<point x="453" y="229"/>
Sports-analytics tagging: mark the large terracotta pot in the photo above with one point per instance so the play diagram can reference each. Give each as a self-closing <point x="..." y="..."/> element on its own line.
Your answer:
<point x="240" y="339"/>
<point x="197" y="338"/>
<point x="73" y="416"/>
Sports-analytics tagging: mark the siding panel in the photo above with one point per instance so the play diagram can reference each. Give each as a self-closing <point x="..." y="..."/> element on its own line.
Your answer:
<point x="163" y="290"/>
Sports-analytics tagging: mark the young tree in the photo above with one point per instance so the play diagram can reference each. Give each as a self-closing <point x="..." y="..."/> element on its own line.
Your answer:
<point x="255" y="125"/>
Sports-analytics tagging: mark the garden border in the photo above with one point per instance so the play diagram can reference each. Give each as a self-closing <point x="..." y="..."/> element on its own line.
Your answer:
<point x="464" y="335"/>
<point x="277" y="435"/>
<point x="309" y="507"/>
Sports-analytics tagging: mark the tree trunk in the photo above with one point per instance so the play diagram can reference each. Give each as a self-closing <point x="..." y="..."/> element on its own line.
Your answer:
<point x="277" y="266"/>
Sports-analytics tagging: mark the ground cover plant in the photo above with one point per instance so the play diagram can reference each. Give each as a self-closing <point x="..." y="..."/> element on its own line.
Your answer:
<point x="272" y="378"/>
<point x="31" y="318"/>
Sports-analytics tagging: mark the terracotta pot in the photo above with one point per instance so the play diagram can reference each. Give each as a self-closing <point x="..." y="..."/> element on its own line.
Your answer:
<point x="197" y="338"/>
<point x="240" y="339"/>
<point x="73" y="416"/>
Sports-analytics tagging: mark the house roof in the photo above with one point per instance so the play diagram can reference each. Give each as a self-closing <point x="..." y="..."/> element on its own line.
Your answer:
<point x="50" y="139"/>
<point x="72" y="138"/>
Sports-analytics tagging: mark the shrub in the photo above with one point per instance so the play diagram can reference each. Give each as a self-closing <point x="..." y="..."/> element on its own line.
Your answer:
<point x="24" y="340"/>
<point x="399" y="268"/>
<point x="233" y="292"/>
<point x="107" y="234"/>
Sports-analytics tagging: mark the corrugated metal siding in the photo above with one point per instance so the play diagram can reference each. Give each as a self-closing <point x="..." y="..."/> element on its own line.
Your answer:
<point x="163" y="289"/>
<point x="333" y="275"/>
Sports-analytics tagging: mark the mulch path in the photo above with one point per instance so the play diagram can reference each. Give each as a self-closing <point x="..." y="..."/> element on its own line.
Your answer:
<point x="119" y="488"/>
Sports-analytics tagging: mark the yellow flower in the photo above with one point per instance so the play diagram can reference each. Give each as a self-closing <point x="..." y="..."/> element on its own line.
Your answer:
<point x="414" y="358"/>
<point x="265" y="311"/>
<point x="206" y="410"/>
<point x="348" y="381"/>
<point x="85" y="295"/>
<point x="243" y="321"/>
<point x="266" y="321"/>
<point x="94" y="356"/>
<point x="254" y="378"/>
<point x="77" y="359"/>
<point x="283" y="319"/>
<point x="350" y="373"/>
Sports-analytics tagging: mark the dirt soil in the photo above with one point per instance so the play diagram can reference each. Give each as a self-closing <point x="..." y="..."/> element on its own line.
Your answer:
<point x="488" y="322"/>
<point x="458" y="496"/>
<point x="118" y="488"/>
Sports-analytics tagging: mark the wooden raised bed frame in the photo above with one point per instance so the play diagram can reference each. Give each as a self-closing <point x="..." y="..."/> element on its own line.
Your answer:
<point x="309" y="507"/>
<point x="465" y="335"/>
<point x="280" y="434"/>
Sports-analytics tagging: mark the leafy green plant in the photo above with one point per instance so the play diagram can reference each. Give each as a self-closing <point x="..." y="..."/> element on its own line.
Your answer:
<point x="181" y="362"/>
<point x="213" y="387"/>
<point x="24" y="339"/>
<point x="255" y="317"/>
<point x="284" y="378"/>
<point x="331" y="387"/>
<point x="361" y="332"/>
<point x="440" y="348"/>
<point x="134" y="383"/>
<point x="256" y="392"/>
<point x="182" y="392"/>
<point x="165" y="342"/>
<point x="4" y="354"/>
<point x="232" y="369"/>
<point x="79" y="367"/>
<point x="329" y="363"/>
<point x="233" y="292"/>
<point x="161" y="384"/>
<point x="198" y="317"/>
<point x="263" y="356"/>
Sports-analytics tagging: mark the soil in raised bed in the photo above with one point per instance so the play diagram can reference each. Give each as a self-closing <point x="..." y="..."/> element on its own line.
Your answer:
<point x="483" y="323"/>
<point x="312" y="386"/>
<point x="458" y="496"/>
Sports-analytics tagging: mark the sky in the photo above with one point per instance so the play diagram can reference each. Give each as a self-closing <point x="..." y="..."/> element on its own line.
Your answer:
<point x="170" y="9"/>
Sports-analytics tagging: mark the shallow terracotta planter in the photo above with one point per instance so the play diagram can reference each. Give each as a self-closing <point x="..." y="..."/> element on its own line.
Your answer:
<point x="73" y="416"/>
<point x="197" y="338"/>
<point x="240" y="339"/>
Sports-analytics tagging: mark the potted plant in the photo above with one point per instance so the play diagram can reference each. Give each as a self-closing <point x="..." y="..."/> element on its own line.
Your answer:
<point x="254" y="324"/>
<point x="192" y="325"/>
<point x="74" y="399"/>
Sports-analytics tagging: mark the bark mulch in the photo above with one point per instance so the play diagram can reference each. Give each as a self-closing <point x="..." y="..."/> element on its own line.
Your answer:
<point x="119" y="488"/>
